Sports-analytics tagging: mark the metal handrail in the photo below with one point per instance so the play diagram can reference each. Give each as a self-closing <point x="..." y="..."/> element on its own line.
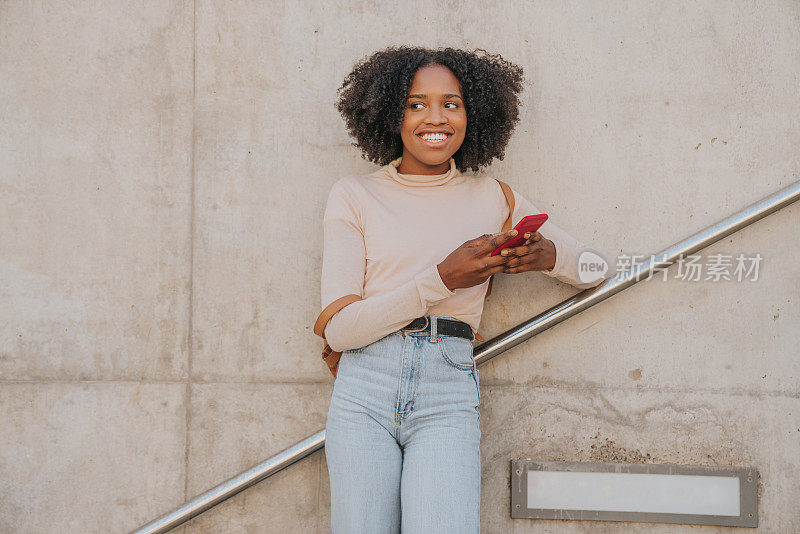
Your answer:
<point x="493" y="347"/>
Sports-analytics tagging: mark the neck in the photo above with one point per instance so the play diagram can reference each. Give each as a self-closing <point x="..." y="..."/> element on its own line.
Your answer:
<point x="413" y="166"/>
<point x="423" y="180"/>
<point x="421" y="168"/>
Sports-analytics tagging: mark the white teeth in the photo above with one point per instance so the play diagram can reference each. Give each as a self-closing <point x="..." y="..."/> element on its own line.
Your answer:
<point x="434" y="137"/>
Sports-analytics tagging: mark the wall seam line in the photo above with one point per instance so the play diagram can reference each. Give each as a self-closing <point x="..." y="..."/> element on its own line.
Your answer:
<point x="190" y="332"/>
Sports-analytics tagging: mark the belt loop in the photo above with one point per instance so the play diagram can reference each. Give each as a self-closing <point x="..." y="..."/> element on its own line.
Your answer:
<point x="434" y="328"/>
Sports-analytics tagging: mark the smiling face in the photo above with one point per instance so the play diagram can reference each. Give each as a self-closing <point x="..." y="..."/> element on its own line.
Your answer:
<point x="434" y="121"/>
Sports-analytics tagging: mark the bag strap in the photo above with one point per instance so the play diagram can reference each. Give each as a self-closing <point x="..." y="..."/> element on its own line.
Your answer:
<point x="510" y="201"/>
<point x="506" y="227"/>
<point x="330" y="310"/>
<point x="507" y="224"/>
<point x="330" y="356"/>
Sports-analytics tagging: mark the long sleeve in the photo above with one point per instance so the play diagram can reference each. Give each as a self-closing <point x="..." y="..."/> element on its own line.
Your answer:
<point x="568" y="248"/>
<point x="343" y="269"/>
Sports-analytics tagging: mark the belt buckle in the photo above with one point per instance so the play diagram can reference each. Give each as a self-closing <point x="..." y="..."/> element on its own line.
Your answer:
<point x="427" y="322"/>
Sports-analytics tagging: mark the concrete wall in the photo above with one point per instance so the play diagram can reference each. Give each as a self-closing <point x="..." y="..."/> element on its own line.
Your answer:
<point x="161" y="163"/>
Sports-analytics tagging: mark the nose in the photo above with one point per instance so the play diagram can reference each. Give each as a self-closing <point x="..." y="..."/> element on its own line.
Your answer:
<point x="435" y="116"/>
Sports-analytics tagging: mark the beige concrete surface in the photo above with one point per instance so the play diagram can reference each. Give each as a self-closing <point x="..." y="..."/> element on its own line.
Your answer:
<point x="89" y="456"/>
<point x="234" y="427"/>
<point x="164" y="168"/>
<point x="96" y="190"/>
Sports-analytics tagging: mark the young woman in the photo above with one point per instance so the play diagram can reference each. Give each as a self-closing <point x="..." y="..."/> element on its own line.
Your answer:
<point x="409" y="247"/>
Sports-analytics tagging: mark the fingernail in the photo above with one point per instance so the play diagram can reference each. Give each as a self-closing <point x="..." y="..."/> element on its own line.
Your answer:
<point x="513" y="232"/>
<point x="505" y="252"/>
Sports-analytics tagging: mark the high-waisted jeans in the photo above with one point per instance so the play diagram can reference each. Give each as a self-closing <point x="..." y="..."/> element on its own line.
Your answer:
<point x="402" y="439"/>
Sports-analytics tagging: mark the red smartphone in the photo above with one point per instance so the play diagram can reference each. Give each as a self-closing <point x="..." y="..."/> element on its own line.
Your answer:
<point x="529" y="223"/>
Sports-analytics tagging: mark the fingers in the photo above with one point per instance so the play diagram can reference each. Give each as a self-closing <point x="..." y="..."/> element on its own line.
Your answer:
<point x="501" y="268"/>
<point x="498" y="239"/>
<point x="519" y="261"/>
<point x="519" y="264"/>
<point x="533" y="238"/>
<point x="527" y="247"/>
<point x="492" y="262"/>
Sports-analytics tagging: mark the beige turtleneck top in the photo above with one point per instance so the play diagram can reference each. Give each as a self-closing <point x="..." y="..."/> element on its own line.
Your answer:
<point x="386" y="232"/>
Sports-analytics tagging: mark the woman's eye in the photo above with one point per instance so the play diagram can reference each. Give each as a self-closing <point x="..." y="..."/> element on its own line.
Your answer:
<point x="455" y="106"/>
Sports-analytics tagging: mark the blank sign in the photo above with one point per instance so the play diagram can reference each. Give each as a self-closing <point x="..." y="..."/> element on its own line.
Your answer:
<point x="650" y="493"/>
<point x="633" y="492"/>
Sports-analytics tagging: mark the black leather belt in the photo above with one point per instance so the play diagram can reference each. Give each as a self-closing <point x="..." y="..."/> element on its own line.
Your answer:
<point x="446" y="327"/>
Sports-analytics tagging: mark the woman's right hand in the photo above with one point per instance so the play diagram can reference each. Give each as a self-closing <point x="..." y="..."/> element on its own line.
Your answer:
<point x="472" y="263"/>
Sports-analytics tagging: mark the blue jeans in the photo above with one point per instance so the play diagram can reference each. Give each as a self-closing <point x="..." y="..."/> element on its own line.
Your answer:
<point x="402" y="439"/>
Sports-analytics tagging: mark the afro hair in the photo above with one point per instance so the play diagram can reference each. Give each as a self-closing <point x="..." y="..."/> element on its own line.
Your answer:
<point x="373" y="96"/>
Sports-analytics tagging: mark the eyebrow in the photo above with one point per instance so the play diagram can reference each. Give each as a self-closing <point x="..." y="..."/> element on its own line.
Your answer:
<point x="448" y="95"/>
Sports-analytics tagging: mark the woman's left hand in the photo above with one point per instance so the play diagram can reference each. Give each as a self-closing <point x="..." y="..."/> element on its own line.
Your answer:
<point x="536" y="254"/>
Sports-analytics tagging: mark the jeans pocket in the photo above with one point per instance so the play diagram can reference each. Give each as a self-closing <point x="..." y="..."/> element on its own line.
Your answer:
<point x="457" y="352"/>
